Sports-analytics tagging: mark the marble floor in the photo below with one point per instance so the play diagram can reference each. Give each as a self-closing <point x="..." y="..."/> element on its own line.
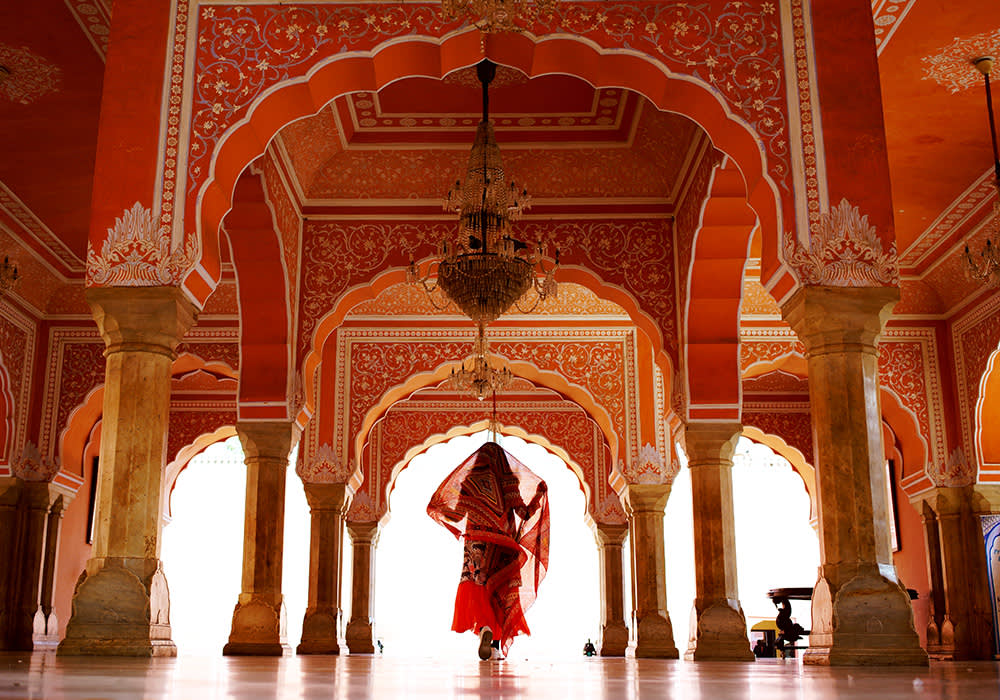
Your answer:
<point x="43" y="675"/>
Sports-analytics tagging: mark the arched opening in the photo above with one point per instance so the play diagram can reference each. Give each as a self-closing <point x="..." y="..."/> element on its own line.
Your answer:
<point x="418" y="563"/>
<point x="988" y="416"/>
<point x="776" y="545"/>
<point x="202" y="549"/>
<point x="231" y="151"/>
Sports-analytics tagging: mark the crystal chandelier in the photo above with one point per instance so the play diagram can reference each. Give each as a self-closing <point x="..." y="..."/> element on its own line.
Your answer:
<point x="486" y="270"/>
<point x="986" y="266"/>
<point x="497" y="15"/>
<point x="476" y="374"/>
<point x="8" y="275"/>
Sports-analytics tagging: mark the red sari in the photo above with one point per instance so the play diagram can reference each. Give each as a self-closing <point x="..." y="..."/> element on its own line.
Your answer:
<point x="500" y="510"/>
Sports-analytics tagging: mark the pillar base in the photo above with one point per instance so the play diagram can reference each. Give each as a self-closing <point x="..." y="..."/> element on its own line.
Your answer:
<point x="319" y="632"/>
<point x="865" y="621"/>
<point x="614" y="639"/>
<point x="718" y="633"/>
<point x="121" y="607"/>
<point x="655" y="638"/>
<point x="360" y="637"/>
<point x="45" y="635"/>
<point x="258" y="629"/>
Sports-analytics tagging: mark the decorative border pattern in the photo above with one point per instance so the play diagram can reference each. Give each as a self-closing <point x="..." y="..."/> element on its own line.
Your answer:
<point x="17" y="351"/>
<point x="966" y="208"/>
<point x="75" y="367"/>
<point x="600" y="360"/>
<point x="975" y="337"/>
<point x="94" y="18"/>
<point x="53" y="249"/>
<point x="909" y="366"/>
<point x="888" y="15"/>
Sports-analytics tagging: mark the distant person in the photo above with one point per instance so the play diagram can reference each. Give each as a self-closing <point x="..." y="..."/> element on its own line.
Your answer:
<point x="588" y="649"/>
<point x="499" y="510"/>
<point x="760" y="648"/>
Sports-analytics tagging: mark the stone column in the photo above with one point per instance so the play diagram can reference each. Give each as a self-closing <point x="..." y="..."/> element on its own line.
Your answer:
<point x="360" y="632"/>
<point x="258" y="620"/>
<point x="718" y="627"/>
<point x="966" y="629"/>
<point x="861" y="612"/>
<point x="46" y="624"/>
<point x="653" y="633"/>
<point x="614" y="633"/>
<point x="321" y="624"/>
<point x="25" y="505"/>
<point x="940" y="635"/>
<point x="121" y="605"/>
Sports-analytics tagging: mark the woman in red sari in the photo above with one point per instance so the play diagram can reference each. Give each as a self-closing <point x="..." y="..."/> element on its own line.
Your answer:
<point x="499" y="509"/>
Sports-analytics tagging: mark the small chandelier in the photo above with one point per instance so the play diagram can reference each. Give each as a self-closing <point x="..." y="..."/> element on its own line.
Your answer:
<point x="491" y="16"/>
<point x="476" y="375"/>
<point x="8" y="275"/>
<point x="986" y="266"/>
<point x="486" y="270"/>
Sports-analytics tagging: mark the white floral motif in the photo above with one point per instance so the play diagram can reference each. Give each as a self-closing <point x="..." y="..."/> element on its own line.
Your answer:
<point x="325" y="467"/>
<point x="30" y="465"/>
<point x="649" y="468"/>
<point x="610" y="512"/>
<point x="362" y="509"/>
<point x="26" y="76"/>
<point x="136" y="253"/>
<point x="951" y="67"/>
<point x="844" y="251"/>
<point x="957" y="471"/>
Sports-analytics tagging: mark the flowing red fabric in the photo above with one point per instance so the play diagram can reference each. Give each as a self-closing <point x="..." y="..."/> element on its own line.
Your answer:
<point x="500" y="510"/>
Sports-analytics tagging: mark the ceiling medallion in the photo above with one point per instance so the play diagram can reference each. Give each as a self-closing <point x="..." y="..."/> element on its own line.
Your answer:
<point x="491" y="16"/>
<point x="986" y="266"/>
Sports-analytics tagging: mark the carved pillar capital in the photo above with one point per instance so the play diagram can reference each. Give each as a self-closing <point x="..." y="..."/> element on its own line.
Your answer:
<point x="711" y="444"/>
<point x="150" y="319"/>
<point x="829" y="319"/>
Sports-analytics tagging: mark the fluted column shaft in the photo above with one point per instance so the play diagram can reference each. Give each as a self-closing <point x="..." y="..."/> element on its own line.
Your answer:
<point x="861" y="613"/>
<point x="718" y="627"/>
<point x="121" y="604"/>
<point x="654" y="635"/>
<point x="614" y="632"/>
<point x="321" y="624"/>
<point x="258" y="627"/>
<point x="360" y="632"/>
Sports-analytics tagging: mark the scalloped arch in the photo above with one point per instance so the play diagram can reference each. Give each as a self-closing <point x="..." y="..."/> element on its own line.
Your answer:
<point x="414" y="56"/>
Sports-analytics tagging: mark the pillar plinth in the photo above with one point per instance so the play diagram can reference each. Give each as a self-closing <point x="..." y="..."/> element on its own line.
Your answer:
<point x="258" y="627"/>
<point x="321" y="624"/>
<point x="360" y="633"/>
<point x="718" y="628"/>
<point x="958" y="570"/>
<point x="614" y="632"/>
<point x="121" y="605"/>
<point x="654" y="635"/>
<point x="861" y="613"/>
